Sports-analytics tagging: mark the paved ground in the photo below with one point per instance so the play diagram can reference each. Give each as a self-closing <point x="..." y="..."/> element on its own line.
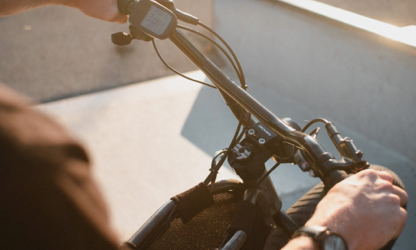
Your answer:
<point x="324" y="69"/>
<point x="56" y="52"/>
<point x="152" y="140"/>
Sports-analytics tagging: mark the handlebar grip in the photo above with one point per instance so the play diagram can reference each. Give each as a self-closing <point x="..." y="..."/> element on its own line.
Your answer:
<point x="123" y="6"/>
<point x="334" y="177"/>
<point x="236" y="242"/>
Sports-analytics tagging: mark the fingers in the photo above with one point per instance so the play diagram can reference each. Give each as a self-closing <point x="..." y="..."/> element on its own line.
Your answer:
<point x="122" y="19"/>
<point x="119" y="19"/>
<point x="385" y="176"/>
<point x="402" y="221"/>
<point x="402" y="195"/>
<point x="117" y="16"/>
<point x="395" y="189"/>
<point x="388" y="181"/>
<point x="106" y="10"/>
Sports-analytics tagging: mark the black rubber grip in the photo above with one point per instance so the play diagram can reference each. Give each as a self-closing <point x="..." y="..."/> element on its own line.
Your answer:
<point x="123" y="6"/>
<point x="193" y="201"/>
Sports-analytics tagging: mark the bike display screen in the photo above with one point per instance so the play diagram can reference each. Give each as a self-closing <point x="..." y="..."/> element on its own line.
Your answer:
<point x="156" y="20"/>
<point x="152" y="19"/>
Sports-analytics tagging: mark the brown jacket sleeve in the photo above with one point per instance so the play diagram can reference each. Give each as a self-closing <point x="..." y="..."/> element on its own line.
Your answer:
<point x="48" y="199"/>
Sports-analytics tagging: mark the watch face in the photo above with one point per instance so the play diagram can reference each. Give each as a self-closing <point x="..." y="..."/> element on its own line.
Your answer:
<point x="334" y="242"/>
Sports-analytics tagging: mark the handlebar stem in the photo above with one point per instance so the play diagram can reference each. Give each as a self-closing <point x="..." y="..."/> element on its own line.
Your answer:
<point x="238" y="99"/>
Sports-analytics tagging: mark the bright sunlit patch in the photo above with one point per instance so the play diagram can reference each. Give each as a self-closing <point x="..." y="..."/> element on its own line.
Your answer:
<point x="405" y="35"/>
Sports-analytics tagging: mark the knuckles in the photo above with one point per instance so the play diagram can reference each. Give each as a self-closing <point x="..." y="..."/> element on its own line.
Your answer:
<point x="369" y="173"/>
<point x="393" y="199"/>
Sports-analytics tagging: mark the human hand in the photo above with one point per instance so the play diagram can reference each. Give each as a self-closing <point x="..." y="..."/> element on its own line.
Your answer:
<point x="102" y="9"/>
<point x="365" y="209"/>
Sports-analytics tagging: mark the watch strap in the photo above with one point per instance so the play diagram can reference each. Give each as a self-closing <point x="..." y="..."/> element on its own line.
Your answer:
<point x="319" y="234"/>
<point x="312" y="231"/>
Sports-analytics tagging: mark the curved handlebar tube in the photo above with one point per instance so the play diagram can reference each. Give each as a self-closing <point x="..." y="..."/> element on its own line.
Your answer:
<point x="148" y="229"/>
<point x="326" y="164"/>
<point x="145" y="236"/>
<point x="227" y="185"/>
<point x="236" y="242"/>
<point x="240" y="101"/>
<point x="123" y="6"/>
<point x="243" y="105"/>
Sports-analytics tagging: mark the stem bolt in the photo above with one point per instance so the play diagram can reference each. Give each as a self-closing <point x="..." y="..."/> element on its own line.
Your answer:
<point x="262" y="141"/>
<point x="312" y="173"/>
<point x="251" y="131"/>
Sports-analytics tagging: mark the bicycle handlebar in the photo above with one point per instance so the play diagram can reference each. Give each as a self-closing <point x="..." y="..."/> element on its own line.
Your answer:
<point x="238" y="100"/>
<point x="249" y="103"/>
<point x="242" y="104"/>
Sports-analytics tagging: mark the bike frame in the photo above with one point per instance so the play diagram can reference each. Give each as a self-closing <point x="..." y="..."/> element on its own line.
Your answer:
<point x="241" y="103"/>
<point x="264" y="196"/>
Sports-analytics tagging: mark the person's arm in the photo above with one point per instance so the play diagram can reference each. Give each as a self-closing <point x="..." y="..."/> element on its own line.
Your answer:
<point x="365" y="209"/>
<point x="49" y="198"/>
<point x="102" y="9"/>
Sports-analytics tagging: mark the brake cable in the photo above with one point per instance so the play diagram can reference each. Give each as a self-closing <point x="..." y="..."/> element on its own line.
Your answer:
<point x="238" y="72"/>
<point x="243" y="83"/>
<point x="177" y="72"/>
<point x="236" y="65"/>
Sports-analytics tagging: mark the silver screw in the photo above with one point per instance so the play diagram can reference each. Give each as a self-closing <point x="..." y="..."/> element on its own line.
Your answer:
<point x="251" y="131"/>
<point x="312" y="173"/>
<point x="262" y="141"/>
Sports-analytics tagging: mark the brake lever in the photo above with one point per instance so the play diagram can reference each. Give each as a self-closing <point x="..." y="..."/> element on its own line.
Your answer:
<point x="347" y="148"/>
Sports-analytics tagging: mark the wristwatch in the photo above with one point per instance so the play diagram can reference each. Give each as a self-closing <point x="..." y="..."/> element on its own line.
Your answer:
<point x="326" y="239"/>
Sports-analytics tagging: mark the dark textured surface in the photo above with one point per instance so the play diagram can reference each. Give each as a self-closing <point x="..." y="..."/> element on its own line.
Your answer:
<point x="193" y="201"/>
<point x="56" y="52"/>
<point x="205" y="231"/>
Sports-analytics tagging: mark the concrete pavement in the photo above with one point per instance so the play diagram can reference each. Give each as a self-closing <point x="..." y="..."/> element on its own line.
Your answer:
<point x="152" y="140"/>
<point x="57" y="52"/>
<point x="360" y="80"/>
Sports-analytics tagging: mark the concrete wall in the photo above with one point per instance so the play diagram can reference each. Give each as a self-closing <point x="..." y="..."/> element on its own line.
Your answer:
<point x="359" y="79"/>
<point x="55" y="52"/>
<point x="364" y="83"/>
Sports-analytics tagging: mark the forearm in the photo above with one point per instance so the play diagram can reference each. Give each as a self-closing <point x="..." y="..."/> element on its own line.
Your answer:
<point x="49" y="199"/>
<point x="12" y="7"/>
<point x="102" y="9"/>
<point x="301" y="243"/>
